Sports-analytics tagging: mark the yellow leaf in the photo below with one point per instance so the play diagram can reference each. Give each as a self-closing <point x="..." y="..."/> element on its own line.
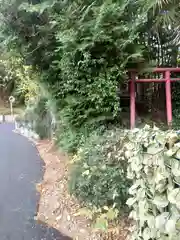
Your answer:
<point x="106" y="208"/>
<point x="112" y="214"/>
<point x="84" y="212"/>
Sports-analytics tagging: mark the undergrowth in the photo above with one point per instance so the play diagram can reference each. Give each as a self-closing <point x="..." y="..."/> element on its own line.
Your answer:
<point x="98" y="175"/>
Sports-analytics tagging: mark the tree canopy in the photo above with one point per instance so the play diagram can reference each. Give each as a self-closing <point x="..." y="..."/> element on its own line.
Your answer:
<point x="82" y="49"/>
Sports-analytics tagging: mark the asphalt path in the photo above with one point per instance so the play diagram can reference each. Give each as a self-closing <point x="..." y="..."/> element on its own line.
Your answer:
<point x="20" y="169"/>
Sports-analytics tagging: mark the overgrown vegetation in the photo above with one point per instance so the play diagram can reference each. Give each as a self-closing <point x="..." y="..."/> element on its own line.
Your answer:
<point x="153" y="158"/>
<point x="68" y="60"/>
<point x="81" y="52"/>
<point x="98" y="177"/>
<point x="99" y="173"/>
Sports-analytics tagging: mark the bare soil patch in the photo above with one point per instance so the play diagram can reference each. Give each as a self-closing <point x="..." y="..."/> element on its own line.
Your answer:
<point x="57" y="208"/>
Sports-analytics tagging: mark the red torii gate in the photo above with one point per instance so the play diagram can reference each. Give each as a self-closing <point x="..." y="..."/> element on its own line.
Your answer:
<point x="166" y="79"/>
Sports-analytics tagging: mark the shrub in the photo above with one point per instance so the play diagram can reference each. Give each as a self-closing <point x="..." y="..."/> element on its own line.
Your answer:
<point x="42" y="118"/>
<point x="154" y="167"/>
<point x="39" y="116"/>
<point x="70" y="138"/>
<point x="98" y="177"/>
<point x="67" y="138"/>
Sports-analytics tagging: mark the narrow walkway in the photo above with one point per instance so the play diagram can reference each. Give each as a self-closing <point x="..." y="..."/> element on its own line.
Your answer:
<point x="20" y="169"/>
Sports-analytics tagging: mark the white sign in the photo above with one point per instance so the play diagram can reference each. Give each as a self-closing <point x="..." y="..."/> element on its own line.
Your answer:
<point x="11" y="99"/>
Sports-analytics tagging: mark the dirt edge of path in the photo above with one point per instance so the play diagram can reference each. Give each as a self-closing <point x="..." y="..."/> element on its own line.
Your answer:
<point x="57" y="208"/>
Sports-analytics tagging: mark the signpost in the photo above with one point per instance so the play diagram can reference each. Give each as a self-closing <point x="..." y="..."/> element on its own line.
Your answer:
<point x="11" y="101"/>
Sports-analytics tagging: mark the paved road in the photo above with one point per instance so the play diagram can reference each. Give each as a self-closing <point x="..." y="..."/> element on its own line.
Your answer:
<point x="20" y="168"/>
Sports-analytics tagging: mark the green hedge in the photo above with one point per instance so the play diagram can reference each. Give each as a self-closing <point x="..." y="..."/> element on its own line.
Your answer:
<point x="98" y="178"/>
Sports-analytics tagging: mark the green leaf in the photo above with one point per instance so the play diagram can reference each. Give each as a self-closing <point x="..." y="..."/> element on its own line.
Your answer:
<point x="131" y="201"/>
<point x="136" y="164"/>
<point x="86" y="173"/>
<point x="178" y="154"/>
<point x="147" y="234"/>
<point x="174" y="196"/>
<point x="150" y="220"/>
<point x="170" y="226"/>
<point x="133" y="188"/>
<point x="141" y="193"/>
<point x="133" y="215"/>
<point x="161" y="201"/>
<point x="161" y="220"/>
<point x="101" y="223"/>
<point x="143" y="207"/>
<point x="177" y="180"/>
<point x="161" y="186"/>
<point x="178" y="225"/>
<point x="170" y="153"/>
<point x="161" y="139"/>
<point x="175" y="168"/>
<point x="147" y="160"/>
<point x="160" y="174"/>
<point x="154" y="149"/>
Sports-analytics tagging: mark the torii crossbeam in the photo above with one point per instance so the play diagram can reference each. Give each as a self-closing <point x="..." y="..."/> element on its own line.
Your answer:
<point x="166" y="79"/>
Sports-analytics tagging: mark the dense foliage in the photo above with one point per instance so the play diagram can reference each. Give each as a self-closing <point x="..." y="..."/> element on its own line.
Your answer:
<point x="72" y="57"/>
<point x="153" y="158"/>
<point x="98" y="177"/>
<point x="81" y="51"/>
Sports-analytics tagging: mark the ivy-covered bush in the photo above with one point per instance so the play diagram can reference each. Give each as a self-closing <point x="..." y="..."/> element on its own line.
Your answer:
<point x="154" y="167"/>
<point x="98" y="176"/>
